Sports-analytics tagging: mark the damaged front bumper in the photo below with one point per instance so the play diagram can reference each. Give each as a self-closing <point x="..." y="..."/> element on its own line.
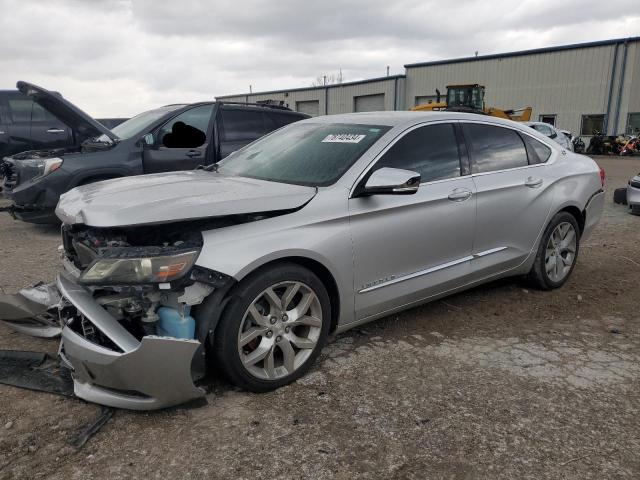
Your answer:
<point x="32" y="311"/>
<point x="153" y="373"/>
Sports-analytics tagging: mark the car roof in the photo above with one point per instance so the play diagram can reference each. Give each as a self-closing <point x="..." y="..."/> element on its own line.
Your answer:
<point x="407" y="118"/>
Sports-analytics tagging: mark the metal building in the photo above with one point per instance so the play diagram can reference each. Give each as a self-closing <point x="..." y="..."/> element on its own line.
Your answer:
<point x="385" y="93"/>
<point x="581" y="87"/>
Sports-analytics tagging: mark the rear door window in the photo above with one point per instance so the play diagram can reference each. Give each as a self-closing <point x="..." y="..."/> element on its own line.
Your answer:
<point x="494" y="148"/>
<point x="431" y="151"/>
<point x="242" y="125"/>
<point x="26" y="110"/>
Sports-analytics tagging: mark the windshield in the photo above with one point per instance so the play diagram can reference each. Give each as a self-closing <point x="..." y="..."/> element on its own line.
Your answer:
<point x="303" y="154"/>
<point x="139" y="124"/>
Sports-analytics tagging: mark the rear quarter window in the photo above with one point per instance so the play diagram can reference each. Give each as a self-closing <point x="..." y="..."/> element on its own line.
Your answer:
<point x="537" y="152"/>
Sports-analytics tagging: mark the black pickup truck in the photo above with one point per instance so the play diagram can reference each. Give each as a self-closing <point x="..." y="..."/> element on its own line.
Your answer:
<point x="169" y="138"/>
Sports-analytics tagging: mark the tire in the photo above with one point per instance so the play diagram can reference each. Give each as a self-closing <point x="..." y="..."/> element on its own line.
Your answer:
<point x="292" y="343"/>
<point x="635" y="209"/>
<point x="540" y="276"/>
<point x="620" y="196"/>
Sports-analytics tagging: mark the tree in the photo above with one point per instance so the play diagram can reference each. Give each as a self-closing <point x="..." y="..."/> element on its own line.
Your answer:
<point x="331" y="79"/>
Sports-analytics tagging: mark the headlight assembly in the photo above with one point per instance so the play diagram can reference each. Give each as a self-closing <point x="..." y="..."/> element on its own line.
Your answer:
<point x="43" y="166"/>
<point x="157" y="269"/>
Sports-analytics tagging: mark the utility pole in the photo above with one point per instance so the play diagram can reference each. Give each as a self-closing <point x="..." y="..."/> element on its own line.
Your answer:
<point x="387" y="70"/>
<point x="250" y="89"/>
<point x="324" y="80"/>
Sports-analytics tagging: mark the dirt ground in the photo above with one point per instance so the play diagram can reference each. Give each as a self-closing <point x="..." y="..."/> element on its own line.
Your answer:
<point x="501" y="381"/>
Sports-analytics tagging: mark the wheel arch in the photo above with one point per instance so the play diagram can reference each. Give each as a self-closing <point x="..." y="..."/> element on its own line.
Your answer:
<point x="579" y="215"/>
<point x="320" y="270"/>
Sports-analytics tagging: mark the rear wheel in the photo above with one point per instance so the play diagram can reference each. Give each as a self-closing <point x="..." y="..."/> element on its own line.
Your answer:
<point x="557" y="253"/>
<point x="273" y="328"/>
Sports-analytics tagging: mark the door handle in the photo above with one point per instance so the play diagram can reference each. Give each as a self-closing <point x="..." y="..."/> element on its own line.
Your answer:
<point x="2" y="132"/>
<point x="55" y="130"/>
<point x="193" y="153"/>
<point x="533" y="182"/>
<point x="459" y="195"/>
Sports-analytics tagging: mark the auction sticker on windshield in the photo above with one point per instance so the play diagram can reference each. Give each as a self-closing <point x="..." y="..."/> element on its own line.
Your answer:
<point x="343" y="138"/>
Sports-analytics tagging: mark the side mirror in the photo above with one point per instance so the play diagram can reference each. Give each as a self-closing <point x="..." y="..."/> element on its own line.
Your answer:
<point x="553" y="135"/>
<point x="146" y="140"/>
<point x="392" y="181"/>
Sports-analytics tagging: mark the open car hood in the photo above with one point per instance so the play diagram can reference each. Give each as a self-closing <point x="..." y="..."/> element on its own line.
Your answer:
<point x="81" y="123"/>
<point x="176" y="196"/>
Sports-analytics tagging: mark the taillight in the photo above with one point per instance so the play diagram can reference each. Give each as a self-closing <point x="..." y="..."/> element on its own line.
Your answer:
<point x="602" y="176"/>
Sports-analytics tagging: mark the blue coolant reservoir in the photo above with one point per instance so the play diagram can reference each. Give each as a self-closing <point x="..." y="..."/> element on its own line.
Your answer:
<point x="172" y="324"/>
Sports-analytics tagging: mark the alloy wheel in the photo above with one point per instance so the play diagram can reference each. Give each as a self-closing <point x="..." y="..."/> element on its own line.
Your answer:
<point x="280" y="330"/>
<point x="560" y="252"/>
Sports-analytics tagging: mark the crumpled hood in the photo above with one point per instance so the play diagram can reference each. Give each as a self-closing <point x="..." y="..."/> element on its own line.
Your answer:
<point x="175" y="196"/>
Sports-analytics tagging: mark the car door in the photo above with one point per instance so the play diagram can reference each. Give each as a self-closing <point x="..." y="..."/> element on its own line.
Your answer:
<point x="514" y="191"/>
<point x="182" y="143"/>
<point x="409" y="247"/>
<point x="239" y="127"/>
<point x="33" y="127"/>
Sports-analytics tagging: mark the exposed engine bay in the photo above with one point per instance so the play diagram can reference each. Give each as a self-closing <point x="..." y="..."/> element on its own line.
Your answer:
<point x="130" y="301"/>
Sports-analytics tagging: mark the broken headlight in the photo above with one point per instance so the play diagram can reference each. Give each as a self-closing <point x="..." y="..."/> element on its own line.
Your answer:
<point x="157" y="269"/>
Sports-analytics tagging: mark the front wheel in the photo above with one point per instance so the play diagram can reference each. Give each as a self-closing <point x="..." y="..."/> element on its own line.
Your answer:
<point x="557" y="253"/>
<point x="273" y="328"/>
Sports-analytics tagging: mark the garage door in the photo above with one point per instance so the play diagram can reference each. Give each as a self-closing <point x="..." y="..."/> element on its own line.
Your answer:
<point x="310" y="107"/>
<point x="369" y="103"/>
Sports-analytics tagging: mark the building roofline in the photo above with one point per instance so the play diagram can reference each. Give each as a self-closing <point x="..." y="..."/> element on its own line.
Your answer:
<point x="521" y="53"/>
<point x="302" y="89"/>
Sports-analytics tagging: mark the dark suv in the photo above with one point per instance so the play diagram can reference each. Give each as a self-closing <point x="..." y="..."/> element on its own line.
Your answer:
<point x="169" y="138"/>
<point x="25" y="125"/>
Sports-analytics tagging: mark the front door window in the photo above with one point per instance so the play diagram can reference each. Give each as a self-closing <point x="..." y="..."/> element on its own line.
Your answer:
<point x="187" y="130"/>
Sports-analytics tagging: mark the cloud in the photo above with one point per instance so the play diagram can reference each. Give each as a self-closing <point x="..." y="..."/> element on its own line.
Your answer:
<point x="120" y="57"/>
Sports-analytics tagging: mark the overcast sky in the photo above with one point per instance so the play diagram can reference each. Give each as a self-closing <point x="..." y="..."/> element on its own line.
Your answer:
<point x="120" y="57"/>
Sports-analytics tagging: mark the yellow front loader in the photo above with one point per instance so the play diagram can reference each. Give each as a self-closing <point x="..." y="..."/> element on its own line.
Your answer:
<point x="470" y="98"/>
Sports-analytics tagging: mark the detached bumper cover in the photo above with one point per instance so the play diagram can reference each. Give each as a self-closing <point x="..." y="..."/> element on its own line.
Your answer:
<point x="33" y="311"/>
<point x="151" y="374"/>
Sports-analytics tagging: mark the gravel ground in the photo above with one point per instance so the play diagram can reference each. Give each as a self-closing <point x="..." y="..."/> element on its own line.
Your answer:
<point x="498" y="382"/>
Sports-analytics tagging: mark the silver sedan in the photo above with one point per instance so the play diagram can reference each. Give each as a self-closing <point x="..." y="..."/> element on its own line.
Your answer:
<point x="558" y="136"/>
<point x="324" y="225"/>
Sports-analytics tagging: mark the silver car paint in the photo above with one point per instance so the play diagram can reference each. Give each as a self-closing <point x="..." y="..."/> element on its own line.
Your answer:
<point x="362" y="253"/>
<point x="385" y="253"/>
<point x="165" y="197"/>
<point x="110" y="377"/>
<point x="633" y="194"/>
